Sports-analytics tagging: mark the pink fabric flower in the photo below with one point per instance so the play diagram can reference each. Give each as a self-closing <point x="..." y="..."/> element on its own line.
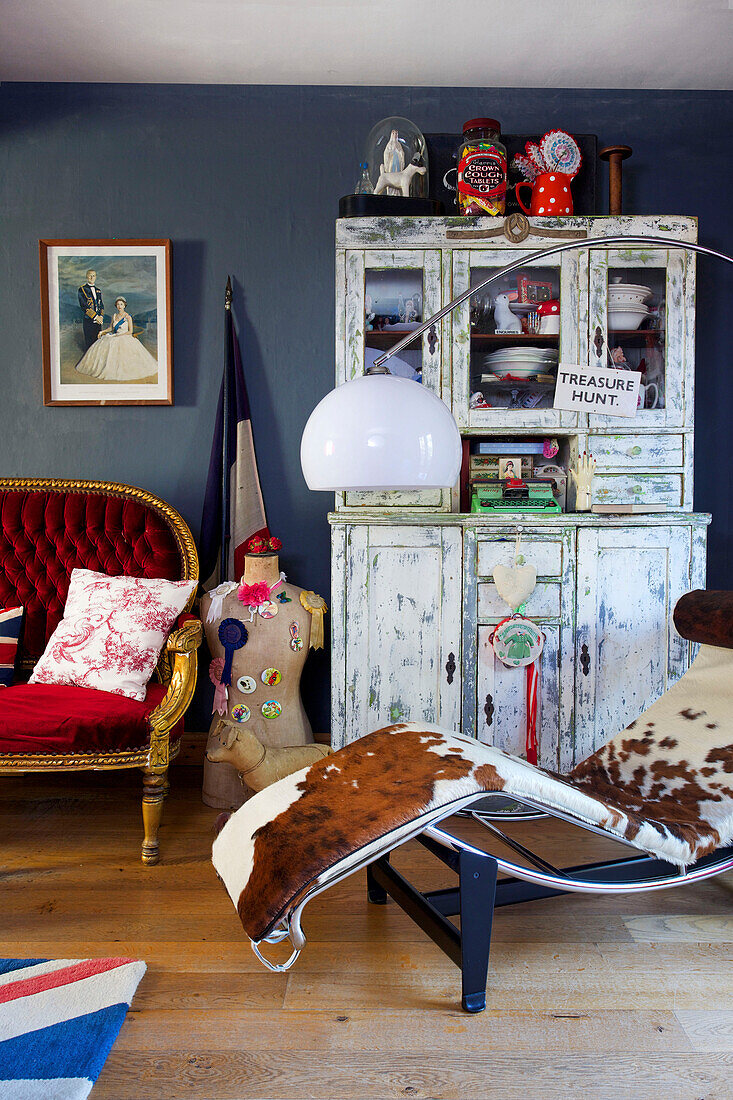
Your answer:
<point x="252" y="595"/>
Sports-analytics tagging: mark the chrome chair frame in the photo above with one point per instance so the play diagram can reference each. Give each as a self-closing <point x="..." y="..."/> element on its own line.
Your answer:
<point x="479" y="889"/>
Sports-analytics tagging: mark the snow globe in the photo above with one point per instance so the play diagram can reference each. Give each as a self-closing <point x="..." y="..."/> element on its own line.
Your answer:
<point x="397" y="158"/>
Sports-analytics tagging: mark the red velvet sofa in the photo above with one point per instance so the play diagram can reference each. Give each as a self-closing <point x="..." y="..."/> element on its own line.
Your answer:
<point x="47" y="528"/>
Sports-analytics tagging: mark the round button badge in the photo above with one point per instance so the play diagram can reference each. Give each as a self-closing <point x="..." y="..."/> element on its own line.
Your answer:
<point x="269" y="610"/>
<point x="241" y="712"/>
<point x="271" y="709"/>
<point x="246" y="685"/>
<point x="271" y="676"/>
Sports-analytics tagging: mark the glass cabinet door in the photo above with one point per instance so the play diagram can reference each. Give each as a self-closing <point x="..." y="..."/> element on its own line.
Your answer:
<point x="639" y="302"/>
<point x="507" y="339"/>
<point x="388" y="294"/>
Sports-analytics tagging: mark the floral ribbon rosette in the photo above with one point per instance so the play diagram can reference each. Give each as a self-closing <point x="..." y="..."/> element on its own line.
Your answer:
<point x="316" y="607"/>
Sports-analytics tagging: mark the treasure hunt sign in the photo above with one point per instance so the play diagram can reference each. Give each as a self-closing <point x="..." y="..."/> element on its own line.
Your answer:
<point x="597" y="390"/>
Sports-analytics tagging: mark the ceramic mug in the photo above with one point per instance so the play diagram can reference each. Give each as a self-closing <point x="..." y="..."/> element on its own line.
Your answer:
<point x="643" y="392"/>
<point x="551" y="195"/>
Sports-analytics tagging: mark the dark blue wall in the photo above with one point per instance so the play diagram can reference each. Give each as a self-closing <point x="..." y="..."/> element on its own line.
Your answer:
<point x="245" y="180"/>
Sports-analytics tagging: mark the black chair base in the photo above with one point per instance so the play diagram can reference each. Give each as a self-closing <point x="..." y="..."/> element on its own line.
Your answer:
<point x="477" y="895"/>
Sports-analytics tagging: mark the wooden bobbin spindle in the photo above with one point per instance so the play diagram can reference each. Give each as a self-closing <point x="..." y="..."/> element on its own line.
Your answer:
<point x="615" y="155"/>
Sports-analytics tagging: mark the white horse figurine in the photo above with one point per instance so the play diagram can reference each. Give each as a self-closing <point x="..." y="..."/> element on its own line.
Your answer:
<point x="400" y="180"/>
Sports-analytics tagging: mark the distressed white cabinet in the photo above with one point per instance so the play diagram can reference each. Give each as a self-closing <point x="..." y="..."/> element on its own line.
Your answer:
<point x="494" y="696"/>
<point x="396" y="596"/>
<point x="413" y="599"/>
<point x="629" y="579"/>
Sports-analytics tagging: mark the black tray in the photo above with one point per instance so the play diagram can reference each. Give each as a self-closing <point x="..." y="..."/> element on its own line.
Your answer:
<point x="376" y="206"/>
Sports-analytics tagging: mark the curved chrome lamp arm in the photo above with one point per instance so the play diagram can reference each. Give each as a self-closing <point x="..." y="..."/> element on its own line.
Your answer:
<point x="379" y="365"/>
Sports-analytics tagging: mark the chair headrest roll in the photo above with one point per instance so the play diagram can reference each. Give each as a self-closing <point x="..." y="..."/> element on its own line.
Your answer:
<point x="706" y="617"/>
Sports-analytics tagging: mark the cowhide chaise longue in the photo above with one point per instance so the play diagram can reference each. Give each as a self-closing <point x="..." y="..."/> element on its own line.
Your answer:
<point x="664" y="786"/>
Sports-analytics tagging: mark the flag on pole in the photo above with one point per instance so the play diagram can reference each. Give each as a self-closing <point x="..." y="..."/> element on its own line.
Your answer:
<point x="233" y="506"/>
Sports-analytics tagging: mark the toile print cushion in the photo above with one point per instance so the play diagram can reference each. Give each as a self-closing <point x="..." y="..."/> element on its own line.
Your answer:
<point x="112" y="632"/>
<point x="665" y="784"/>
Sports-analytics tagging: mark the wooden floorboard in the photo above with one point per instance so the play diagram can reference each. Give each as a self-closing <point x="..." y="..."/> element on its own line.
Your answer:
<point x="600" y="998"/>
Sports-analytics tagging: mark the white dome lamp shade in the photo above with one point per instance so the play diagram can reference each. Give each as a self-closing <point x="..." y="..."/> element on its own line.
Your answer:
<point x="380" y="431"/>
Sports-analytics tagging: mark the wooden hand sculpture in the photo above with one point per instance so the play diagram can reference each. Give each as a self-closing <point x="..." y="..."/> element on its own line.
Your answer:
<point x="583" y="475"/>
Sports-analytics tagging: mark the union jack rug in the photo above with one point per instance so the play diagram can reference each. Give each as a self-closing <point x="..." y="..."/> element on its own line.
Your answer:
<point x="58" y="1021"/>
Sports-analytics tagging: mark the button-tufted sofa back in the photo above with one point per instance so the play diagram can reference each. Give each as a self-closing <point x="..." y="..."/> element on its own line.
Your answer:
<point x="48" y="528"/>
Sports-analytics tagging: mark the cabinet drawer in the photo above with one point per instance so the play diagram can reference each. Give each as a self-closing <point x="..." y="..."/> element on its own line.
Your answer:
<point x="545" y="556"/>
<point x="437" y="500"/>
<point x="544" y="603"/>
<point x="638" y="489"/>
<point x="636" y="452"/>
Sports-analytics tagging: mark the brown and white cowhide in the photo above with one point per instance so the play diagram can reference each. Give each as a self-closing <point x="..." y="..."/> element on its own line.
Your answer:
<point x="665" y="784"/>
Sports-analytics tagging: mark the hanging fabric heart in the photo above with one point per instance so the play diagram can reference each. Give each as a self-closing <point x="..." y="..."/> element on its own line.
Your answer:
<point x="515" y="583"/>
<point x="232" y="635"/>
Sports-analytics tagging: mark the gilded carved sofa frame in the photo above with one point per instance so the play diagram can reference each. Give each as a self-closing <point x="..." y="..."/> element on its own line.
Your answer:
<point x="176" y="669"/>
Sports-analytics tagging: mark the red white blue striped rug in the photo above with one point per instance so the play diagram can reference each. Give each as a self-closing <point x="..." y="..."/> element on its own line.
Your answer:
<point x="58" y="1021"/>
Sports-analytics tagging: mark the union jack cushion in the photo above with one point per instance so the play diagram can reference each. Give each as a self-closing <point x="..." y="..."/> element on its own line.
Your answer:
<point x="10" y="623"/>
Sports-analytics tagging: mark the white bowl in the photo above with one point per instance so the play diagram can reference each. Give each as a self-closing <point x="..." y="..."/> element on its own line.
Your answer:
<point x="624" y="301"/>
<point x="623" y="289"/>
<point x="629" y="318"/>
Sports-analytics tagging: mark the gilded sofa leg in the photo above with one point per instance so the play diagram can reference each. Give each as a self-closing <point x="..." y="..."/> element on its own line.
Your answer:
<point x="155" y="788"/>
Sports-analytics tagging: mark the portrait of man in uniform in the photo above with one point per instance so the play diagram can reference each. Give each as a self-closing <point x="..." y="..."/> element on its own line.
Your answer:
<point x="106" y="311"/>
<point x="92" y="308"/>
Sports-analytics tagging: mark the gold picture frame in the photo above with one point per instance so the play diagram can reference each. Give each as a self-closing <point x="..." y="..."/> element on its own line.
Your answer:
<point x="106" y="322"/>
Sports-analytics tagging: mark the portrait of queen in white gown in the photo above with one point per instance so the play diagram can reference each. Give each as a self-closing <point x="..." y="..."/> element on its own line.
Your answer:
<point x="118" y="356"/>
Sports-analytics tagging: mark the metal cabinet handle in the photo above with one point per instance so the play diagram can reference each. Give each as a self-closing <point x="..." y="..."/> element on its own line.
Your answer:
<point x="489" y="709"/>
<point x="450" y="667"/>
<point x="584" y="659"/>
<point x="432" y="339"/>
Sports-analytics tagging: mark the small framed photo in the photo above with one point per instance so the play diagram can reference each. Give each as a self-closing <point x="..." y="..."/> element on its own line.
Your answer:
<point x="510" y="466"/>
<point x="106" y="317"/>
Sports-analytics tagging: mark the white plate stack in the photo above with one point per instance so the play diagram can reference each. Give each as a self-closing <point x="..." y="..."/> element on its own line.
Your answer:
<point x="518" y="362"/>
<point x="626" y="305"/>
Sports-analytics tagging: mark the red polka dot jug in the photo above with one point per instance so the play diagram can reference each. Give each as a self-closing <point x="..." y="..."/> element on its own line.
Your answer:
<point x="551" y="195"/>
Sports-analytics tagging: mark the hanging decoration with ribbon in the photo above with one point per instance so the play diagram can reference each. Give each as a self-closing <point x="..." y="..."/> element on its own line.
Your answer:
<point x="217" y="596"/>
<point x="316" y="606"/>
<point x="517" y="641"/>
<point x="232" y="635"/>
<point x="221" y="695"/>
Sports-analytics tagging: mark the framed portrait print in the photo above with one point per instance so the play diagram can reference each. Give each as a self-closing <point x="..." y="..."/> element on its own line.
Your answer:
<point x="106" y="315"/>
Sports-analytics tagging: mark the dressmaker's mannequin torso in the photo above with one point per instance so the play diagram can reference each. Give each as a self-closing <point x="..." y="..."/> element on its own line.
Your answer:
<point x="268" y="647"/>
